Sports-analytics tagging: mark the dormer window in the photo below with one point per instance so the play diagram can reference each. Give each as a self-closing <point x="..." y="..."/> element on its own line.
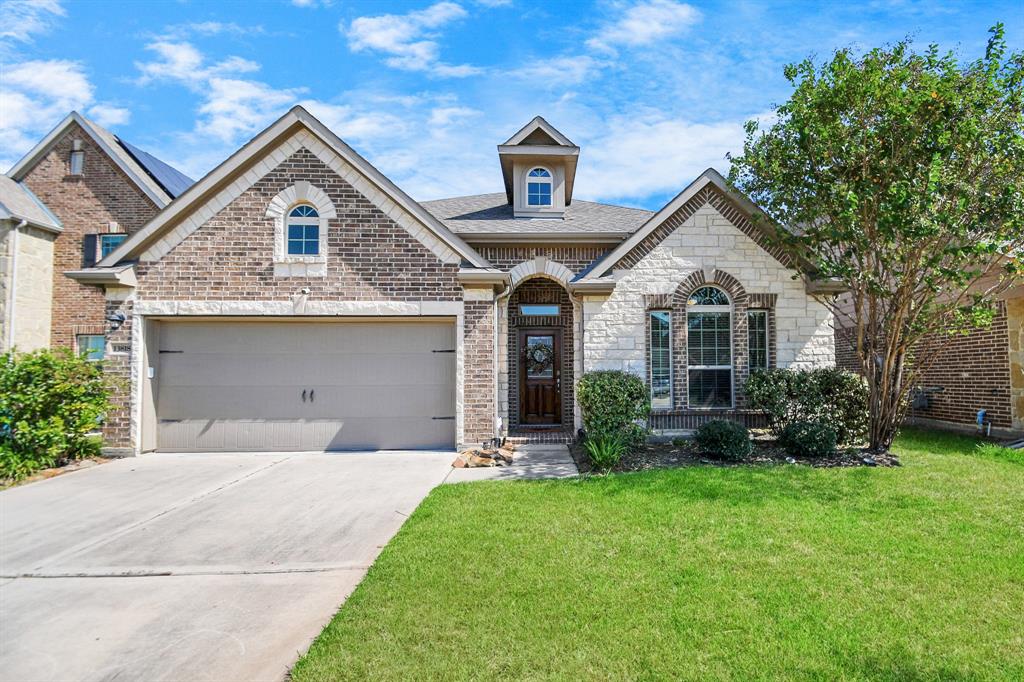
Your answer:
<point x="303" y="231"/>
<point x="538" y="187"/>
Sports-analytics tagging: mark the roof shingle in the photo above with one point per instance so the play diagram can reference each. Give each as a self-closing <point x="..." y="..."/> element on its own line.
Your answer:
<point x="492" y="214"/>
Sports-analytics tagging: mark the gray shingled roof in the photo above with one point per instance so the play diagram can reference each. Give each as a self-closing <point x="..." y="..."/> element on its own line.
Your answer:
<point x="491" y="213"/>
<point x="17" y="202"/>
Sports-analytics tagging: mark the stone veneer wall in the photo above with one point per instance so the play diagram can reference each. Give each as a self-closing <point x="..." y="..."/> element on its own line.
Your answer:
<point x="33" y="294"/>
<point x="85" y="204"/>
<point x="230" y="258"/>
<point x="704" y="241"/>
<point x="6" y="230"/>
<point x="1015" y="326"/>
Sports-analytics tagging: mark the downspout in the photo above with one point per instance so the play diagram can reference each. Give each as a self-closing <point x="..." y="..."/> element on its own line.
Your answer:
<point x="9" y="343"/>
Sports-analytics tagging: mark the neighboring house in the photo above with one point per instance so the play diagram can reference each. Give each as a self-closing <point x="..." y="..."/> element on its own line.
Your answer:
<point x="100" y="189"/>
<point x="27" y="234"/>
<point x="980" y="370"/>
<point x="295" y="298"/>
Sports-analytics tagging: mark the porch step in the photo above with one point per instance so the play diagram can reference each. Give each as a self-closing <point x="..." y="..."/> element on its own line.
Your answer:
<point x="540" y="436"/>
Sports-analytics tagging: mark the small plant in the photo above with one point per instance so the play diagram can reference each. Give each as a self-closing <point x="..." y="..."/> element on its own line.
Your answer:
<point x="605" y="451"/>
<point x="724" y="439"/>
<point x="614" y="403"/>
<point x="808" y="439"/>
<point x="49" y="403"/>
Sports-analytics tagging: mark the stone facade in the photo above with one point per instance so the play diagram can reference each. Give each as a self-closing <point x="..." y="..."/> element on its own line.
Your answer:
<point x="99" y="200"/>
<point x="32" y="268"/>
<point x="705" y="246"/>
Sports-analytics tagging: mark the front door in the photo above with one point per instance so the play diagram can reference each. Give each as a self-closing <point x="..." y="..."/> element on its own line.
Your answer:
<point x="540" y="370"/>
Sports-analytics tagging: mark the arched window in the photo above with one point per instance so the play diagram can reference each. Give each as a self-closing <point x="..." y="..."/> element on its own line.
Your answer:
<point x="303" y="231"/>
<point x="709" y="348"/>
<point x="538" y="187"/>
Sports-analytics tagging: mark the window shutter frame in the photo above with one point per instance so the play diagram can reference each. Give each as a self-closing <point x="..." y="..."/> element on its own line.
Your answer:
<point x="90" y="243"/>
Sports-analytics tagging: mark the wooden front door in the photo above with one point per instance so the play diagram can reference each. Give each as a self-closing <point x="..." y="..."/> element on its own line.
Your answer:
<point x="540" y="371"/>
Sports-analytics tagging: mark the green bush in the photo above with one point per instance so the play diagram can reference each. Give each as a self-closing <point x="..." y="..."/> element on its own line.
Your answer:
<point x="808" y="439"/>
<point x="830" y="396"/>
<point x="49" y="402"/>
<point x="724" y="439"/>
<point x="614" y="403"/>
<point x="605" y="451"/>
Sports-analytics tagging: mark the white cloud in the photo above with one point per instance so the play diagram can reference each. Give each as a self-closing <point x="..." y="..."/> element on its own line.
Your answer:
<point x="645" y="23"/>
<point x="312" y="3"/>
<point x="558" y="71"/>
<point x="108" y="115"/>
<point x="443" y="116"/>
<point x="37" y="94"/>
<point x="182" y="61"/>
<point x="409" y="40"/>
<point x="21" y="19"/>
<point x="652" y="153"/>
<point x="209" y="28"/>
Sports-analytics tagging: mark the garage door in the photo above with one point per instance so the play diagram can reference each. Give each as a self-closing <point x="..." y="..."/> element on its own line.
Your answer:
<point x="224" y="386"/>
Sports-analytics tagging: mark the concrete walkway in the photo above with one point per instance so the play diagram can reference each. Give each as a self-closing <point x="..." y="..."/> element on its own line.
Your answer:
<point x="528" y="462"/>
<point x="193" y="567"/>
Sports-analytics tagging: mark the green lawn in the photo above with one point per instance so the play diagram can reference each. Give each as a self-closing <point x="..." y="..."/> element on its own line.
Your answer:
<point x="912" y="573"/>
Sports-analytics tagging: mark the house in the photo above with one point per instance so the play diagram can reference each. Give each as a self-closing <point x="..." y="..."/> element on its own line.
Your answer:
<point x="296" y="299"/>
<point x="98" y="189"/>
<point x="976" y="382"/>
<point x="27" y="233"/>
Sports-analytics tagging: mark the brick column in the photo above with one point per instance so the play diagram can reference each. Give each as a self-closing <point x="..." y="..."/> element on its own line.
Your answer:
<point x="478" y="368"/>
<point x="118" y="439"/>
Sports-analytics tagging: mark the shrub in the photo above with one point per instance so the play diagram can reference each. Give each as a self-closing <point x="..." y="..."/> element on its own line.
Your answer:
<point x="808" y="439"/>
<point x="830" y="396"/>
<point x="723" y="438"/>
<point x="614" y="403"/>
<point x="605" y="451"/>
<point x="49" y="402"/>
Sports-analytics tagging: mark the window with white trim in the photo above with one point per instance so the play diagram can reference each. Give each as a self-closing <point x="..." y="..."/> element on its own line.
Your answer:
<point x="709" y="348"/>
<point x="757" y="339"/>
<point x="538" y="187"/>
<point x="303" y="229"/>
<point x="661" y="358"/>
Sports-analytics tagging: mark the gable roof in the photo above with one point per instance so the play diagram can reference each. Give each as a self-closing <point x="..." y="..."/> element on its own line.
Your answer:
<point x="17" y="202"/>
<point x="475" y="217"/>
<point x="226" y="174"/>
<point x="708" y="179"/>
<point x="145" y="173"/>
<point x="538" y="124"/>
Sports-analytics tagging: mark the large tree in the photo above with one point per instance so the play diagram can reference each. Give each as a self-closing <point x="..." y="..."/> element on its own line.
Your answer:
<point x="899" y="177"/>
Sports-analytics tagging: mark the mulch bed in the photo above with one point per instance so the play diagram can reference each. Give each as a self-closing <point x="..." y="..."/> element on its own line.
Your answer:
<point x="766" y="452"/>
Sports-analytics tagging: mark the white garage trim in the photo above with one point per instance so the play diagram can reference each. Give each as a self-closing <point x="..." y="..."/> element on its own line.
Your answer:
<point x="379" y="388"/>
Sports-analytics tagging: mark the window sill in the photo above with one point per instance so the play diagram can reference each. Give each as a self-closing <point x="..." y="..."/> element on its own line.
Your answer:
<point x="301" y="266"/>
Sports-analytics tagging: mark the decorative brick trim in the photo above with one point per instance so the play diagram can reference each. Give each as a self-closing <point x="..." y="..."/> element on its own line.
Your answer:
<point x="740" y="364"/>
<point x="688" y="420"/>
<point x="657" y="302"/>
<point x="721" y="203"/>
<point x="286" y="265"/>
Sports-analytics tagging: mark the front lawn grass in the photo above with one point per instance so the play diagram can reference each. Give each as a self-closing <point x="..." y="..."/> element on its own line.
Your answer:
<point x="915" y="573"/>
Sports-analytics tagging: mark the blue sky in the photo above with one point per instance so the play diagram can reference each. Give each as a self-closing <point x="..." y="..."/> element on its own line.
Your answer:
<point x="654" y="91"/>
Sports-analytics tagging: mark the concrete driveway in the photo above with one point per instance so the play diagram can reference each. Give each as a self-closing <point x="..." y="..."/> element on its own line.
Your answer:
<point x="193" y="567"/>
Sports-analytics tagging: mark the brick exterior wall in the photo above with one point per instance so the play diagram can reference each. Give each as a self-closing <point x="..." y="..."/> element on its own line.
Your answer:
<point x="85" y="204"/>
<point x="541" y="290"/>
<point x="574" y="257"/>
<point x="369" y="258"/>
<point x="231" y="257"/>
<point x="973" y="372"/>
<point x="478" y="344"/>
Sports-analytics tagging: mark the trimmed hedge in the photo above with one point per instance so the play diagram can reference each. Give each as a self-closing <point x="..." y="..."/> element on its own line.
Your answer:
<point x="50" y="400"/>
<point x="724" y="439"/>
<point x="808" y="439"/>
<point x="614" y="403"/>
<point x="830" y="396"/>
